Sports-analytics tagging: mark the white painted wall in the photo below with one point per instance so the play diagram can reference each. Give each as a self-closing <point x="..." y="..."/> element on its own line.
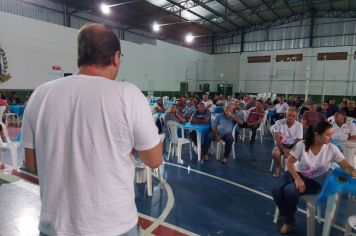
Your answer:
<point x="278" y="77"/>
<point x="33" y="47"/>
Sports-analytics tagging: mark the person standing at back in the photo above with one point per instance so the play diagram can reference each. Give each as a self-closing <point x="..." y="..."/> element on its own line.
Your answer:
<point x="83" y="130"/>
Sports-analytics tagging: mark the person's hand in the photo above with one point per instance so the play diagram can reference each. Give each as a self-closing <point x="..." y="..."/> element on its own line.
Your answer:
<point x="286" y="152"/>
<point x="299" y="183"/>
<point x="218" y="138"/>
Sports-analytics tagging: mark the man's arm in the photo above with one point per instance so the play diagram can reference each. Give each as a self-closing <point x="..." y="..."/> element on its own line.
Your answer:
<point x="30" y="156"/>
<point x="152" y="157"/>
<point x="180" y="117"/>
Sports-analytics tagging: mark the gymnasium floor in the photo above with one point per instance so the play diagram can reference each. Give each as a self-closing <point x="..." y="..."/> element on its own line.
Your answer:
<point x="196" y="198"/>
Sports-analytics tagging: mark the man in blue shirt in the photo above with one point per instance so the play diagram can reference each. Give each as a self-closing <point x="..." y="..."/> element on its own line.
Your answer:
<point x="201" y="116"/>
<point x="222" y="128"/>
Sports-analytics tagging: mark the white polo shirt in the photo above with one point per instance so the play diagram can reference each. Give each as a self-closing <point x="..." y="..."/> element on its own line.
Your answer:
<point x="344" y="132"/>
<point x="83" y="129"/>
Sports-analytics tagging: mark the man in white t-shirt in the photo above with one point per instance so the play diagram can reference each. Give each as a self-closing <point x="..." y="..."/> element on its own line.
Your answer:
<point x="288" y="132"/>
<point x="280" y="108"/>
<point x="208" y="103"/>
<point x="83" y="131"/>
<point x="343" y="129"/>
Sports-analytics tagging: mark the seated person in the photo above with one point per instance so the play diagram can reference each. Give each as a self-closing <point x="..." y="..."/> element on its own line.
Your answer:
<point x="200" y="116"/>
<point x="350" y="109"/>
<point x="324" y="109"/>
<point x="173" y="115"/>
<point x="308" y="164"/>
<point x="14" y="99"/>
<point x="208" y="103"/>
<point x="254" y="120"/>
<point x="158" y="108"/>
<point x="189" y="109"/>
<point x="288" y="132"/>
<point x="343" y="129"/>
<point x="280" y="109"/>
<point x="222" y="128"/>
<point x="312" y="117"/>
<point x="238" y="111"/>
<point x="333" y="108"/>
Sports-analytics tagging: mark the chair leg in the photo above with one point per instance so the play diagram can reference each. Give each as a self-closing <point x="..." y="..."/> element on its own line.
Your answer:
<point x="190" y="151"/>
<point x="310" y="218"/>
<point x="218" y="147"/>
<point x="233" y="150"/>
<point x="272" y="164"/>
<point x="179" y="153"/>
<point x="169" y="150"/>
<point x="13" y="151"/>
<point x="159" y="177"/>
<point x="276" y="215"/>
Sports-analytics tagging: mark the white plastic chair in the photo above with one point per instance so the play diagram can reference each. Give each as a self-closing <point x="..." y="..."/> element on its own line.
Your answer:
<point x="8" y="145"/>
<point x="349" y="151"/>
<point x="218" y="145"/>
<point x="176" y="141"/>
<point x="310" y="199"/>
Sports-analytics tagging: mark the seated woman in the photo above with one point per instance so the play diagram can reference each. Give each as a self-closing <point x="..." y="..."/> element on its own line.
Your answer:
<point x="307" y="163"/>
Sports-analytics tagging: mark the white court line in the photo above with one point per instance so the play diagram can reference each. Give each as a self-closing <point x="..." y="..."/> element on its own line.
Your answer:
<point x="244" y="187"/>
<point x="223" y="180"/>
<point x="168" y="225"/>
<point x="167" y="209"/>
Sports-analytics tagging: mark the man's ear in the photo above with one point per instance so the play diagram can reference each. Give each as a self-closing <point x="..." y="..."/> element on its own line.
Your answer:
<point x="115" y="59"/>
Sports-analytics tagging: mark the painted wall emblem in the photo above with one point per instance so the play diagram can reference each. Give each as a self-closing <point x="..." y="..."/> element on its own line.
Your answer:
<point x="4" y="75"/>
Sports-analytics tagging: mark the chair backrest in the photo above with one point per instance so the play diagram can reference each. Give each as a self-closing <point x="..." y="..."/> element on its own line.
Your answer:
<point x="191" y="117"/>
<point x="273" y="130"/>
<point x="331" y="119"/>
<point x="234" y="130"/>
<point x="173" y="130"/>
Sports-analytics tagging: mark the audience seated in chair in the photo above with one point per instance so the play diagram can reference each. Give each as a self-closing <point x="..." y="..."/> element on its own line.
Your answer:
<point x="189" y="109"/>
<point x="254" y="120"/>
<point x="208" y="103"/>
<point x="324" y="109"/>
<point x="201" y="116"/>
<point x="222" y="129"/>
<point x="280" y="109"/>
<point x="343" y="129"/>
<point x="350" y="109"/>
<point x="312" y="117"/>
<point x="173" y="115"/>
<point x="288" y="132"/>
<point x="305" y="171"/>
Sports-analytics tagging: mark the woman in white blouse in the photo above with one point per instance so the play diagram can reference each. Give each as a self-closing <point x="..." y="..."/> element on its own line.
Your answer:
<point x="307" y="163"/>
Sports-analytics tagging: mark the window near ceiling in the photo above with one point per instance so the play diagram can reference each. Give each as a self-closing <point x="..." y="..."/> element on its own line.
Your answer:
<point x="332" y="56"/>
<point x="259" y="59"/>
<point x="289" y="57"/>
